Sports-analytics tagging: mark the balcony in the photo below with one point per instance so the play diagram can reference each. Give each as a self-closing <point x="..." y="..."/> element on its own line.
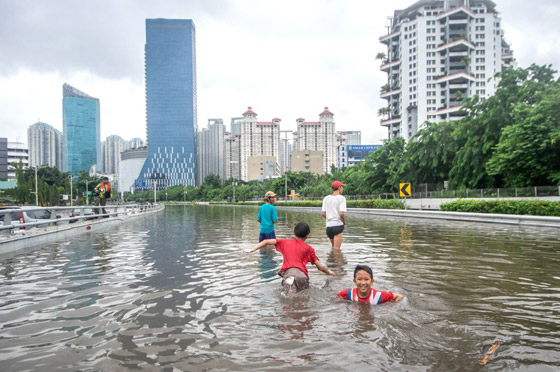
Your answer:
<point x="460" y="45"/>
<point x="387" y="38"/>
<point x="387" y="66"/>
<point x="460" y="77"/>
<point x="389" y="122"/>
<point x="391" y="93"/>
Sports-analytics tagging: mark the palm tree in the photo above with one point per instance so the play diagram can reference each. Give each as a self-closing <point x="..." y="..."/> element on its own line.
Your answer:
<point x="380" y="56"/>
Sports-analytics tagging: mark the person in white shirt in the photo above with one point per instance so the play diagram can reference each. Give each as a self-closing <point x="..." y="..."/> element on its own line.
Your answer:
<point x="333" y="209"/>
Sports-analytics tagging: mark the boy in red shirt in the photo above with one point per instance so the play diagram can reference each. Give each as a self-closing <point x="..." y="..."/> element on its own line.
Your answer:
<point x="296" y="255"/>
<point x="363" y="278"/>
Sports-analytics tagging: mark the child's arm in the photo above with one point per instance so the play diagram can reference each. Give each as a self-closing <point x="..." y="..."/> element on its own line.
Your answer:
<point x="260" y="245"/>
<point x="323" y="268"/>
<point x="397" y="297"/>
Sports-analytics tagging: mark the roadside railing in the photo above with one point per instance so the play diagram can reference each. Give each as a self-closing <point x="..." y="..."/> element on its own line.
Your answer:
<point x="517" y="192"/>
<point x="22" y="218"/>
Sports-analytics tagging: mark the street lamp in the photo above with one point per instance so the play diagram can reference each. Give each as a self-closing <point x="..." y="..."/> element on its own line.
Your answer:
<point x="36" y="189"/>
<point x="234" y="184"/>
<point x="71" y="197"/>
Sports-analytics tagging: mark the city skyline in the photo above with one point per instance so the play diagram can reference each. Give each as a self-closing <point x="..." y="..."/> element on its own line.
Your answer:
<point x="302" y="56"/>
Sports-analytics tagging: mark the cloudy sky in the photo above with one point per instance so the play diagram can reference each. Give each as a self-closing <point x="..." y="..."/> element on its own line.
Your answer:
<point x="285" y="58"/>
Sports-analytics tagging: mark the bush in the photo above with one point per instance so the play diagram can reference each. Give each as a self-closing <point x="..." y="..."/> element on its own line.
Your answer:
<point x="522" y="207"/>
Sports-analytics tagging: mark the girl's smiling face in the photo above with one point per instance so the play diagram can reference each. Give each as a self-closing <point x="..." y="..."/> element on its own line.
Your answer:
<point x="363" y="282"/>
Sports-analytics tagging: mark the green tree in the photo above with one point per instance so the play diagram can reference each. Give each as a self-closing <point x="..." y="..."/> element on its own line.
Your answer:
<point x="528" y="152"/>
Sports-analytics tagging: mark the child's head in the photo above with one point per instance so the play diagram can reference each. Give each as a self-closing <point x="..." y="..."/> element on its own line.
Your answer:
<point x="301" y="230"/>
<point x="365" y="268"/>
<point x="270" y="197"/>
<point x="363" y="278"/>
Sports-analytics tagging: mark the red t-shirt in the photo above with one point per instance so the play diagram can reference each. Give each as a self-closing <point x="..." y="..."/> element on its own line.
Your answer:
<point x="375" y="297"/>
<point x="297" y="254"/>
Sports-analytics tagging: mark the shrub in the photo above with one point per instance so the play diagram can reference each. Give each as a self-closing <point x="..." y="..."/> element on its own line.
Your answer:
<point x="522" y="207"/>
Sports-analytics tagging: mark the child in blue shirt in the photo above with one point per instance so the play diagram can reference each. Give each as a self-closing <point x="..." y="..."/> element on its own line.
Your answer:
<point x="267" y="217"/>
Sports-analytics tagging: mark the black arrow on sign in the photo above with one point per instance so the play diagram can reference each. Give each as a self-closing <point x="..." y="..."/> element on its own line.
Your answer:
<point x="403" y="189"/>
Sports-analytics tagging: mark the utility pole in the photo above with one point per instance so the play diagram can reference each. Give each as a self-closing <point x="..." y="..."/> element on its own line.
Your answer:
<point x="71" y="202"/>
<point x="36" y="189"/>
<point x="155" y="191"/>
<point x="286" y="162"/>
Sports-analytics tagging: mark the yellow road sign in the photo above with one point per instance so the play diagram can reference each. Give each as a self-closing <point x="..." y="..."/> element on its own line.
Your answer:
<point x="404" y="190"/>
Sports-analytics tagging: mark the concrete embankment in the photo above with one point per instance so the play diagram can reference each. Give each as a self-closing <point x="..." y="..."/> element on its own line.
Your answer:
<point x="510" y="219"/>
<point x="50" y="234"/>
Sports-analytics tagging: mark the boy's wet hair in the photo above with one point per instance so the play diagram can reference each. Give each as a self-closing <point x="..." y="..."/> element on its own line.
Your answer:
<point x="365" y="268"/>
<point x="302" y="230"/>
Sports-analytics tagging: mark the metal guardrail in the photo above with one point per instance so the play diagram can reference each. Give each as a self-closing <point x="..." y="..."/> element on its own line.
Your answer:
<point x="55" y="219"/>
<point x="514" y="192"/>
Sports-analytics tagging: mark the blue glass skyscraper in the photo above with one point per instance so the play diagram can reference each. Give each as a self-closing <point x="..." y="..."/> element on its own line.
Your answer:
<point x="81" y="146"/>
<point x="170" y="56"/>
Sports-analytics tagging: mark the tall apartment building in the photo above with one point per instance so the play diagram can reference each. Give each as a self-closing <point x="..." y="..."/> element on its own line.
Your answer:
<point x="136" y="143"/>
<point x="210" y="147"/>
<point x="318" y="136"/>
<point x="112" y="148"/>
<point x="259" y="139"/>
<point x="438" y="53"/>
<point x="16" y="153"/>
<point x="45" y="145"/>
<point x="3" y="159"/>
<point x="170" y="55"/>
<point x="235" y="125"/>
<point x="284" y="157"/>
<point x="81" y="145"/>
<point x="232" y="156"/>
<point x="343" y="139"/>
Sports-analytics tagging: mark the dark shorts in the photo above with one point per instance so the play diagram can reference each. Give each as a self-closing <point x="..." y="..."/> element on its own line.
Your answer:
<point x="294" y="279"/>
<point x="332" y="231"/>
<point x="264" y="236"/>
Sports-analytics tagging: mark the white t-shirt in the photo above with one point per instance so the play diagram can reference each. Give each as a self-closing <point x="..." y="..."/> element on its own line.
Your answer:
<point x="332" y="205"/>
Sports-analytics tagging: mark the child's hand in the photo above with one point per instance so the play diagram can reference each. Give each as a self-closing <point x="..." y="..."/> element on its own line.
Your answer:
<point x="246" y="250"/>
<point x="397" y="297"/>
<point x="331" y="272"/>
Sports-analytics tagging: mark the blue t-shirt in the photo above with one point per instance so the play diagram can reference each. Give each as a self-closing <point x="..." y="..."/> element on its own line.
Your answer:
<point x="267" y="215"/>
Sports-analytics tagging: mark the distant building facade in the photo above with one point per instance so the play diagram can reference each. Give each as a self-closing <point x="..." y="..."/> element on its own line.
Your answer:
<point x="81" y="146"/>
<point x="211" y="145"/>
<point x="307" y="161"/>
<point x="171" y="97"/>
<point x="3" y="159"/>
<point x="318" y="136"/>
<point x="258" y="139"/>
<point x="45" y="145"/>
<point x="16" y="153"/>
<point x="232" y="157"/>
<point x="359" y="153"/>
<point x="112" y="148"/>
<point x="136" y="143"/>
<point x="236" y="125"/>
<point x="131" y="163"/>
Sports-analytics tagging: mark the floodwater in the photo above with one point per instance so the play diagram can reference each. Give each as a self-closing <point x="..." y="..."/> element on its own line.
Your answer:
<point x="174" y="292"/>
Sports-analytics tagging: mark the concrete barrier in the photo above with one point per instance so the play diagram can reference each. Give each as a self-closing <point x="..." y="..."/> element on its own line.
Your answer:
<point x="51" y="234"/>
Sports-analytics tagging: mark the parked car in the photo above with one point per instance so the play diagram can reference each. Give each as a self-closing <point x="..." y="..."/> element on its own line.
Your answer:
<point x="89" y="212"/>
<point x="28" y="214"/>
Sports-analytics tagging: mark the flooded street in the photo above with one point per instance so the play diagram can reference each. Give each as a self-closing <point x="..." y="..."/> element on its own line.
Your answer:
<point x="174" y="292"/>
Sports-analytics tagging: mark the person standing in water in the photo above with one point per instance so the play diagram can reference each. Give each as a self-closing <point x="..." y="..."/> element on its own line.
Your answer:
<point x="333" y="210"/>
<point x="267" y="217"/>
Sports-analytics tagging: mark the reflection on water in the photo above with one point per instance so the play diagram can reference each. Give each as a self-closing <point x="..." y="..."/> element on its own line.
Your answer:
<point x="174" y="290"/>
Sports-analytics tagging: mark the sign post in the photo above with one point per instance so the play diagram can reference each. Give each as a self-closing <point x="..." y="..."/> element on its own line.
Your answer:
<point x="404" y="190"/>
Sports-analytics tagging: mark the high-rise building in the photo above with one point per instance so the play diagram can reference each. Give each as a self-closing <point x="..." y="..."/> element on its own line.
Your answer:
<point x="81" y="147"/>
<point x="343" y="139"/>
<point x="351" y="137"/>
<point x="319" y="136"/>
<point x="3" y="159"/>
<point x="232" y="156"/>
<point x="210" y="146"/>
<point x="135" y="143"/>
<point x="235" y="125"/>
<point x="45" y="145"/>
<point x="17" y="154"/>
<point x="131" y="163"/>
<point x="438" y="53"/>
<point x="111" y="153"/>
<point x="260" y="139"/>
<point x="285" y="151"/>
<point x="170" y="55"/>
